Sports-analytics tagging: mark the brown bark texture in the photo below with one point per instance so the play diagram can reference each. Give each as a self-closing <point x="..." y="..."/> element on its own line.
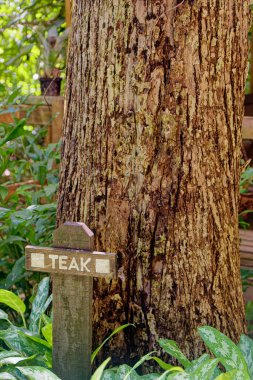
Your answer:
<point x="151" y="163"/>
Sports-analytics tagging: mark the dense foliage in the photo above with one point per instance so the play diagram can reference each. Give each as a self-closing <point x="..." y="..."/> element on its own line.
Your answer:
<point x="226" y="362"/>
<point x="28" y="186"/>
<point x="20" y="48"/>
<point x="26" y="350"/>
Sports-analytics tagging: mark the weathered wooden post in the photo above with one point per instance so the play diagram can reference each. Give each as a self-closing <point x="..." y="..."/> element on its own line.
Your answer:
<point x="73" y="266"/>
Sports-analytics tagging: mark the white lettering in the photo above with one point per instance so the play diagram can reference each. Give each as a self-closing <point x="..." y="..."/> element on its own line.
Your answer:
<point x="63" y="262"/>
<point x="53" y="258"/>
<point x="73" y="265"/>
<point x="84" y="264"/>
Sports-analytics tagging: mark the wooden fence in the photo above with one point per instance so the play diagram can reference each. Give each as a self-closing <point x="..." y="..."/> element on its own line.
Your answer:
<point x="48" y="113"/>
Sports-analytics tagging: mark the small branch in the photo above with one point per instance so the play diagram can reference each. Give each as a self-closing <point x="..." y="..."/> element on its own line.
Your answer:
<point x="181" y="3"/>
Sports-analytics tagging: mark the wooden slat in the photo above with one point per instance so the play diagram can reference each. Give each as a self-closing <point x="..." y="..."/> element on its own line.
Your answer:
<point x="246" y="265"/>
<point x="247" y="128"/>
<point x="246" y="248"/>
<point x="45" y="100"/>
<point x="41" y="116"/>
<point x="49" y="113"/>
<point x="246" y="235"/>
<point x="246" y="256"/>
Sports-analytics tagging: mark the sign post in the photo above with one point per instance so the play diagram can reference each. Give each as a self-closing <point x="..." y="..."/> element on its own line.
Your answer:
<point x="73" y="264"/>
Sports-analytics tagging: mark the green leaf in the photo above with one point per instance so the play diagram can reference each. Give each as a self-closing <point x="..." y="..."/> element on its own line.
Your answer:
<point x="34" y="360"/>
<point x="97" y="375"/>
<point x="249" y="307"/>
<point x="216" y="373"/>
<point x="46" y="319"/>
<point x="245" y="345"/>
<point x="233" y="375"/>
<point x="126" y="372"/>
<point x="16" y="373"/>
<point x="164" y="376"/>
<point x="205" y="370"/>
<point x="174" y="371"/>
<point x="108" y="374"/>
<point x="117" y="330"/>
<point x="197" y="362"/>
<point x="38" y="305"/>
<point x="38" y="373"/>
<point x="6" y="376"/>
<point x="17" y="273"/>
<point x="38" y="340"/>
<point x="13" y="95"/>
<point x="4" y="315"/>
<point x="24" y="50"/>
<point x="12" y="300"/>
<point x="171" y="347"/>
<point x="222" y="347"/>
<point x="16" y="339"/>
<point x="15" y="133"/>
<point x="50" y="189"/>
<point x="7" y="354"/>
<point x="47" y="332"/>
<point x="139" y="363"/>
<point x="161" y="363"/>
<point x="179" y="376"/>
<point x="11" y="360"/>
<point x="42" y="174"/>
<point x="3" y="192"/>
<point x="21" y="216"/>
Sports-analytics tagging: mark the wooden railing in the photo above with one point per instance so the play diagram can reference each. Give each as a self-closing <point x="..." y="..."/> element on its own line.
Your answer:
<point x="246" y="248"/>
<point x="48" y="113"/>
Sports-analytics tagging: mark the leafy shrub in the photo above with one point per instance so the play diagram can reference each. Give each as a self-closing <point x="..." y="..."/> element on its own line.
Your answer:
<point x="27" y="214"/>
<point x="246" y="179"/>
<point x="26" y="351"/>
<point x="228" y="362"/>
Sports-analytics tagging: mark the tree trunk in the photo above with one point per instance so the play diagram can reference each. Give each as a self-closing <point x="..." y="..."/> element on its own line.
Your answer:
<point x="151" y="162"/>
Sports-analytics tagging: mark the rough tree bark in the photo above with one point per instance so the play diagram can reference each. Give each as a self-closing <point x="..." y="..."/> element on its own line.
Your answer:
<point x="151" y="162"/>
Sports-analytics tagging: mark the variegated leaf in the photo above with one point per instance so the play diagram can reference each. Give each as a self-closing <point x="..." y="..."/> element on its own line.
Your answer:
<point x="222" y="347"/>
<point x="171" y="347"/>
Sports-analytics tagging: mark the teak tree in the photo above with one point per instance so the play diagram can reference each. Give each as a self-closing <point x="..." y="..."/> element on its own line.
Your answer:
<point x="151" y="161"/>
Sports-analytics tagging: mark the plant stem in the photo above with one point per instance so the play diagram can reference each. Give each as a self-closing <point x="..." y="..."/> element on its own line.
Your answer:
<point x="24" y="321"/>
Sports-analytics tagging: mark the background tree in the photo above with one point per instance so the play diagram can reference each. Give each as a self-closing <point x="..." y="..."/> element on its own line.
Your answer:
<point x="151" y="162"/>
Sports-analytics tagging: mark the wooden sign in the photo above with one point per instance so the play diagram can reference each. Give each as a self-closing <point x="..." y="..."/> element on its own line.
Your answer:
<point x="73" y="265"/>
<point x="67" y="261"/>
